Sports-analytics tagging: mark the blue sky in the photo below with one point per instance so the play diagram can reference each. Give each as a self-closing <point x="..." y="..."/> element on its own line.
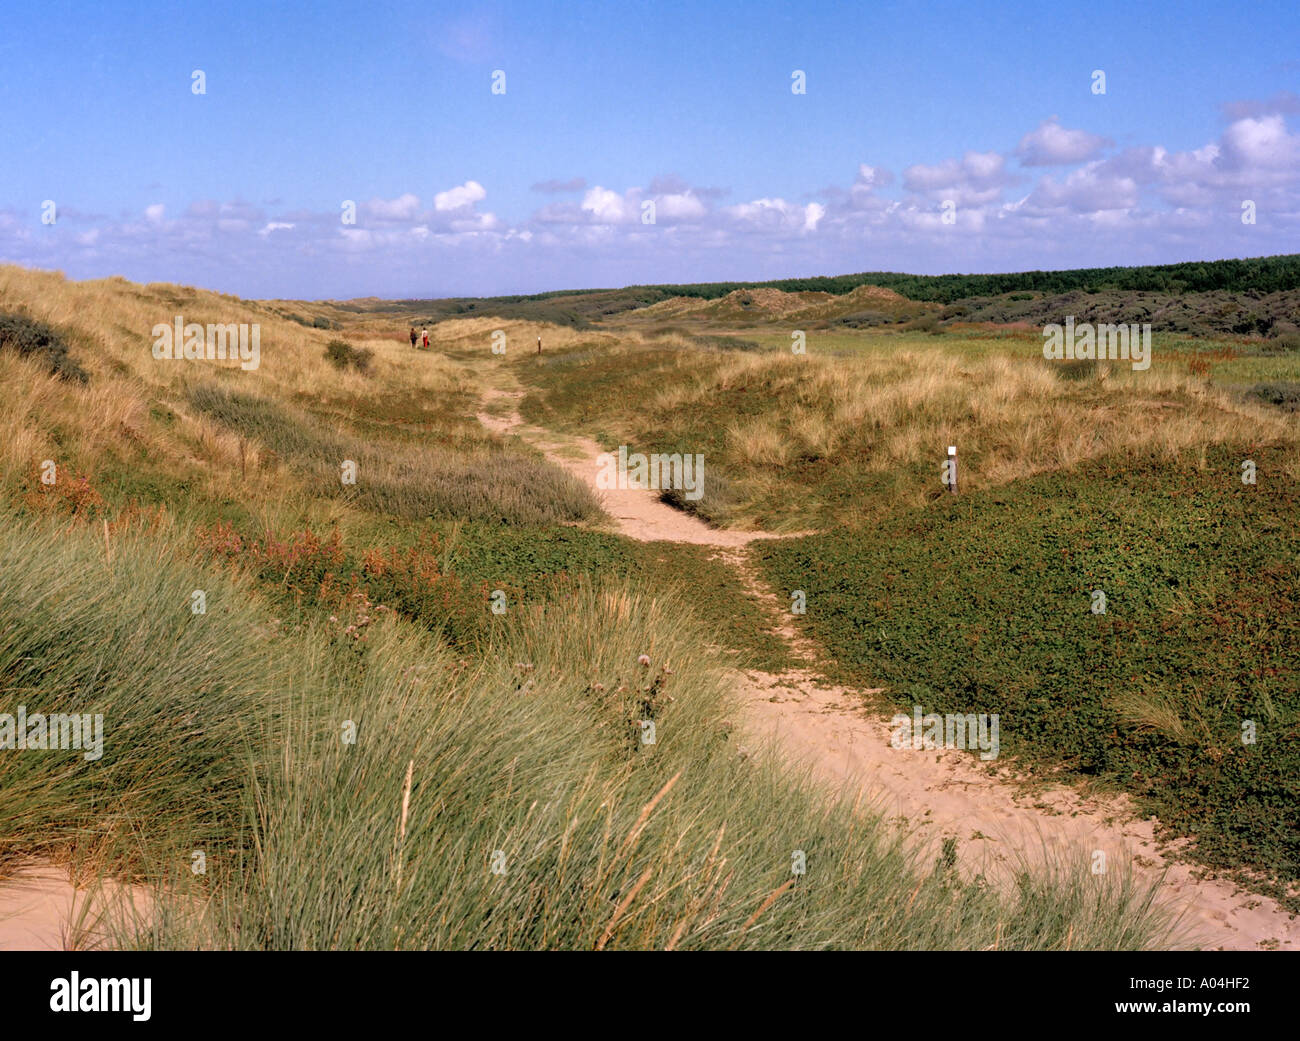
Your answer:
<point x="608" y="106"/>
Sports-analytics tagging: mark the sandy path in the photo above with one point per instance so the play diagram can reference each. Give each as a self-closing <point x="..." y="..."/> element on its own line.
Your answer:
<point x="941" y="793"/>
<point x="638" y="513"/>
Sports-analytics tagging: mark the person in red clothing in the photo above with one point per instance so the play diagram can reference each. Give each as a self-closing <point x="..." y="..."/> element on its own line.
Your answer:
<point x="426" y="339"/>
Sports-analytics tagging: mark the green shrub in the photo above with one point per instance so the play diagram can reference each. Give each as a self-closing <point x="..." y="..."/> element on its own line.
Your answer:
<point x="926" y="323"/>
<point x="1287" y="343"/>
<point x="863" y="319"/>
<point x="1282" y="393"/>
<point x="33" y="339"/>
<point x="724" y="343"/>
<point x="344" y="355"/>
<point x="1075" y="370"/>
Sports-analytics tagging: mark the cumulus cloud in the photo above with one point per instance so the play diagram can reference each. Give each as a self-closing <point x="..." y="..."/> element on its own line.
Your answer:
<point x="872" y="177"/>
<point x="681" y="205"/>
<point x="1053" y="145"/>
<point x="975" y="179"/>
<point x="606" y="206"/>
<point x="1261" y="143"/>
<point x="674" y="202"/>
<point x="1091" y="189"/>
<point x="403" y="208"/>
<point x="457" y="198"/>
<point x="777" y="215"/>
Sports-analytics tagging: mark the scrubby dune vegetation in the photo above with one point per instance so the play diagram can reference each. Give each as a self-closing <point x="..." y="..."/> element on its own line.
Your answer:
<point x="498" y="793"/>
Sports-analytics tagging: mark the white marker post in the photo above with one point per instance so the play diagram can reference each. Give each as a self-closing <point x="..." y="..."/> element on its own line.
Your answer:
<point x="952" y="469"/>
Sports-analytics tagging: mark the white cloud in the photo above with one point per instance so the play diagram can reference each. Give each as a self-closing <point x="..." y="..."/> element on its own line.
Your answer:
<point x="403" y="208"/>
<point x="1261" y="143"/>
<point x="475" y="222"/>
<point x="975" y="179"/>
<point x="457" y="198"/>
<point x="606" y="206"/>
<point x="681" y="205"/>
<point x="872" y="177"/>
<point x="1090" y="189"/>
<point x="1053" y="145"/>
<point x="777" y="215"/>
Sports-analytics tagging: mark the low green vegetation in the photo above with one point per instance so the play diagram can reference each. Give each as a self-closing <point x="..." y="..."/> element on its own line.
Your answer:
<point x="1251" y="278"/>
<point x="985" y="603"/>
<point x="1283" y="395"/>
<point x="447" y="577"/>
<point x="343" y="355"/>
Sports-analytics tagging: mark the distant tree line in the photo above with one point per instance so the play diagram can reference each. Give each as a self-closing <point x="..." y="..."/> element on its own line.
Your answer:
<point x="1258" y="274"/>
<point x="578" y="307"/>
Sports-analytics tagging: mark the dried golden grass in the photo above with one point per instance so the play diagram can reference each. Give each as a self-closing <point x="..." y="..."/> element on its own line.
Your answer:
<point x="1016" y="415"/>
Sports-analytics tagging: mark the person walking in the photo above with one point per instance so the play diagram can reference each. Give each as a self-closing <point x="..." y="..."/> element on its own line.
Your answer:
<point x="412" y="337"/>
<point x="426" y="339"/>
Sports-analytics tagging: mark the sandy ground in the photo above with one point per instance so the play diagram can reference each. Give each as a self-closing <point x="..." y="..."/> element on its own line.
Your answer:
<point x="42" y="910"/>
<point x="830" y="731"/>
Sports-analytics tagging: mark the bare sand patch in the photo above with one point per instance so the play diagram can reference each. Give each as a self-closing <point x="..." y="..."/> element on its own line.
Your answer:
<point x="41" y="909"/>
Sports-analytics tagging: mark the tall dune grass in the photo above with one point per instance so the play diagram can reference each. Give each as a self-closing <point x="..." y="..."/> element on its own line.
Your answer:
<point x="405" y="480"/>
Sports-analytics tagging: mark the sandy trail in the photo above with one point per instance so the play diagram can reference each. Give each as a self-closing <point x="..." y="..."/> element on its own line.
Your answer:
<point x="830" y="731"/>
<point x="638" y="513"/>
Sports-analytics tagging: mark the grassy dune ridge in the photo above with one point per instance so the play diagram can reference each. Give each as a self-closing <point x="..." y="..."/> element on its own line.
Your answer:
<point x="857" y="437"/>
